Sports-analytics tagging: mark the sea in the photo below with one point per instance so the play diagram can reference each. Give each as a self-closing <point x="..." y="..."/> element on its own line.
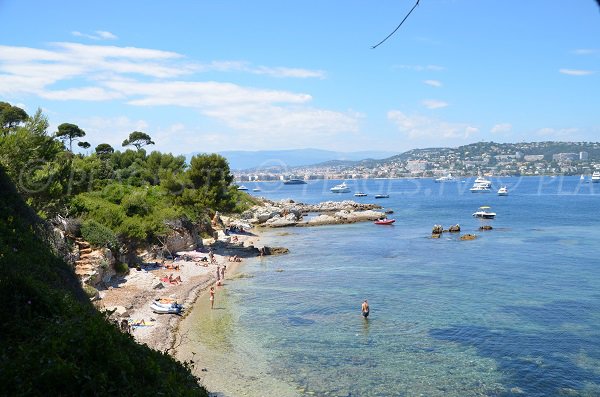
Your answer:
<point x="515" y="312"/>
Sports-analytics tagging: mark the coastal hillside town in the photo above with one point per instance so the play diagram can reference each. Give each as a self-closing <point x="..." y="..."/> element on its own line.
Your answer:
<point x="487" y="158"/>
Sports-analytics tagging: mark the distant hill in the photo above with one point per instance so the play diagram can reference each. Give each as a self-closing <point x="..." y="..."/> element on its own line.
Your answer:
<point x="241" y="160"/>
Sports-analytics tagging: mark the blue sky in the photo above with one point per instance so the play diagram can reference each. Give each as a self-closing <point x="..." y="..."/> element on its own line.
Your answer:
<point x="204" y="76"/>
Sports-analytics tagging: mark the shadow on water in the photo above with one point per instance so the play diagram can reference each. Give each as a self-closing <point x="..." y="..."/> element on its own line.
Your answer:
<point x="541" y="363"/>
<point x="556" y="313"/>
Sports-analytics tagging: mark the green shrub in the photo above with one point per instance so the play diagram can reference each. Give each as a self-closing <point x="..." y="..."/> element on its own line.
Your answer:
<point x="121" y="268"/>
<point x="98" y="235"/>
<point x="90" y="291"/>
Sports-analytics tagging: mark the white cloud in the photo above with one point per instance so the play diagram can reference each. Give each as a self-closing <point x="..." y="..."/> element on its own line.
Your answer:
<point x="576" y="72"/>
<point x="586" y="51"/>
<point x="290" y="72"/>
<point x="148" y="77"/>
<point x="558" y="133"/>
<point x="111" y="130"/>
<point x="434" y="104"/>
<point x="501" y="128"/>
<point x="82" y="94"/>
<point x="433" y="83"/>
<point x="99" y="35"/>
<point x="422" y="68"/>
<point x="240" y="66"/>
<point x="417" y="127"/>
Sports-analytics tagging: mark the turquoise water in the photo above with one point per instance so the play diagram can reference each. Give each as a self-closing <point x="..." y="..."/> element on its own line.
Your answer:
<point x="515" y="312"/>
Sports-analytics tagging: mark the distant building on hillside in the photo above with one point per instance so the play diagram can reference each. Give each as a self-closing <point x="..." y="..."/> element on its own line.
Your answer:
<point x="416" y="165"/>
<point x="584" y="156"/>
<point x="533" y="157"/>
<point x="563" y="157"/>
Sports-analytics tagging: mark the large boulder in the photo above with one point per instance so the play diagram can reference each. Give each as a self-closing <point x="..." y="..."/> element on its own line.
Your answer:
<point x="182" y="236"/>
<point x="323" y="220"/>
<point x="454" y="228"/>
<point x="278" y="221"/>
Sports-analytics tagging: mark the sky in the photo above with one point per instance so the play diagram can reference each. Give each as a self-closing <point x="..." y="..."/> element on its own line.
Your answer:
<point x="209" y="76"/>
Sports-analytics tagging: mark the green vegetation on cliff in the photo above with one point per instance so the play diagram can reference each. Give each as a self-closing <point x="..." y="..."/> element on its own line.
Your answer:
<point x="131" y="193"/>
<point x="52" y="340"/>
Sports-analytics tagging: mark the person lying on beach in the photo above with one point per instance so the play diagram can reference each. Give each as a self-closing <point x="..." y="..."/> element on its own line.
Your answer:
<point x="174" y="280"/>
<point x="171" y="266"/>
<point x="171" y="280"/>
<point x="234" y="258"/>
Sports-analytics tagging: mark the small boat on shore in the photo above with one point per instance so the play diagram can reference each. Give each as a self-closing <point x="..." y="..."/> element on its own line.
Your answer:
<point x="484" y="213"/>
<point x="379" y="196"/>
<point x="385" y="221"/>
<point x="360" y="194"/>
<point x="166" y="308"/>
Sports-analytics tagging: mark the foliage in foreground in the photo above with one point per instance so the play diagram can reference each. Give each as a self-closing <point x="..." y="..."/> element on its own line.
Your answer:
<point x="52" y="341"/>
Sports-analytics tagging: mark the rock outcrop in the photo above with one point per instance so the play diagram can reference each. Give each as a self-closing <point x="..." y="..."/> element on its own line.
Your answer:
<point x="287" y="213"/>
<point x="93" y="266"/>
<point x="182" y="236"/>
<point x="454" y="228"/>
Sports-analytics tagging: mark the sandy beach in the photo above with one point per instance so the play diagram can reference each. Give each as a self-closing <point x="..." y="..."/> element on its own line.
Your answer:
<point x="130" y="296"/>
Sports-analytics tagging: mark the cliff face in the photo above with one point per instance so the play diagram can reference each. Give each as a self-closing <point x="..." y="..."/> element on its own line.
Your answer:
<point x="52" y="341"/>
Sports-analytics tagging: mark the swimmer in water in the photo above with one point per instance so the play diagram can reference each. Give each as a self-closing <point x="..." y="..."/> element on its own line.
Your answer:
<point x="365" y="309"/>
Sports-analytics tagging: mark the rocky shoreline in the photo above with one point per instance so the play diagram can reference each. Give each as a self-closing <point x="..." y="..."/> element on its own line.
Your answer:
<point x="128" y="297"/>
<point x="286" y="213"/>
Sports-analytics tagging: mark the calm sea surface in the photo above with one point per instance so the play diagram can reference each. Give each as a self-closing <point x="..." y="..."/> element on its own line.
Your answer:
<point x="515" y="312"/>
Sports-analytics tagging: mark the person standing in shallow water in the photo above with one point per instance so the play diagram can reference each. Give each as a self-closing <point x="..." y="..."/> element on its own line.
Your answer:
<point x="365" y="309"/>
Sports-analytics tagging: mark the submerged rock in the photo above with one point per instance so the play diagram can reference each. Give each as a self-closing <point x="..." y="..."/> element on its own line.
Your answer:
<point x="468" y="237"/>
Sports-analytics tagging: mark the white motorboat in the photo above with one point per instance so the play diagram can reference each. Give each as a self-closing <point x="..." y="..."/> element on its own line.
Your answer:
<point x="256" y="189"/>
<point x="447" y="178"/>
<point x="360" y="194"/>
<point x="161" y="308"/>
<point x="242" y="187"/>
<point x="480" y="188"/>
<point x="503" y="191"/>
<point x="484" y="213"/>
<point x="380" y="196"/>
<point x="482" y="181"/>
<point x="341" y="188"/>
<point x="596" y="177"/>
<point x="481" y="185"/>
